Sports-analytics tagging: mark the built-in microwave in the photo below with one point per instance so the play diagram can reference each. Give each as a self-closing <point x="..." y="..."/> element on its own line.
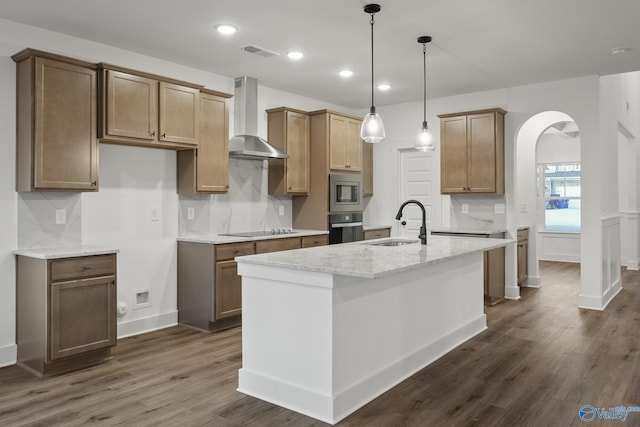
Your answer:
<point x="345" y="193"/>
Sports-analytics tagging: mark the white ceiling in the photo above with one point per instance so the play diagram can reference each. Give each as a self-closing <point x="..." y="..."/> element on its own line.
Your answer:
<point x="477" y="45"/>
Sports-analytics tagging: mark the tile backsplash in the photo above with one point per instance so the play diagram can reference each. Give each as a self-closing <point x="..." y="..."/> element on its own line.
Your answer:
<point x="246" y="207"/>
<point x="480" y="211"/>
<point x="37" y="225"/>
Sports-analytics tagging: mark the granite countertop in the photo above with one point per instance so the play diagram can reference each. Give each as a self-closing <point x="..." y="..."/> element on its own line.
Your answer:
<point x="464" y="230"/>
<point x="374" y="227"/>
<point x="65" y="252"/>
<point x="218" y="239"/>
<point x="361" y="259"/>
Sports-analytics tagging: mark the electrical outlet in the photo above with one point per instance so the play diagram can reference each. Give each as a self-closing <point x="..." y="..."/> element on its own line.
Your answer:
<point x="523" y="207"/>
<point x="281" y="211"/>
<point x="143" y="299"/>
<point x="61" y="216"/>
<point x="465" y="208"/>
<point x="498" y="208"/>
<point x="155" y="214"/>
<point x="191" y="213"/>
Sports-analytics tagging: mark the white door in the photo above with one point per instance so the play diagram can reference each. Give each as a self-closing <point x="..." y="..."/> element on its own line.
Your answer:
<point x="418" y="181"/>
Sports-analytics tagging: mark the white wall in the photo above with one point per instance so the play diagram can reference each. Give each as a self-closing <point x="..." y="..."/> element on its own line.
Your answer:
<point x="8" y="211"/>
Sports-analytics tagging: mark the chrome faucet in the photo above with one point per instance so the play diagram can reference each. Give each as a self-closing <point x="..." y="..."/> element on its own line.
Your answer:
<point x="423" y="228"/>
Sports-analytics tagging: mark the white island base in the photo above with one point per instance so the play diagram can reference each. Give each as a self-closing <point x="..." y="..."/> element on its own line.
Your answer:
<point x="324" y="344"/>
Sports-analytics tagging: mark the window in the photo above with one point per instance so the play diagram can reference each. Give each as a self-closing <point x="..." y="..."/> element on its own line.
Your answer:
<point x="561" y="196"/>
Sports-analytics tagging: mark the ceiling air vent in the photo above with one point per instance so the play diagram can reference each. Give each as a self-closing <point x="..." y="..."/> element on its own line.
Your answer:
<point x="266" y="53"/>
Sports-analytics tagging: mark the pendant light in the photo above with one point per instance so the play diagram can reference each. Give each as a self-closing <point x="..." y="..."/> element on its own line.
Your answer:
<point x="424" y="140"/>
<point x="372" y="129"/>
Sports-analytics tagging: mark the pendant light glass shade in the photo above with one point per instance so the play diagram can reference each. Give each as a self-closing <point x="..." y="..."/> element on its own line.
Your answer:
<point x="372" y="129"/>
<point x="424" y="140"/>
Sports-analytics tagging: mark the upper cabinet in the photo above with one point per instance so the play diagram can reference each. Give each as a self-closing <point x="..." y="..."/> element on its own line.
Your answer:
<point x="206" y="168"/>
<point x="142" y="110"/>
<point x="56" y="123"/>
<point x="345" y="145"/>
<point x="367" y="169"/>
<point x="472" y="152"/>
<point x="289" y="131"/>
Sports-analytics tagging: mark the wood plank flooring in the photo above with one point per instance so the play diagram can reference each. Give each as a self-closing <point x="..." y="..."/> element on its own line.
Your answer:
<point x="539" y="361"/>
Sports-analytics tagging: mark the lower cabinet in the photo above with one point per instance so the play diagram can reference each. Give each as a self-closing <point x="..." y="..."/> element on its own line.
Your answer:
<point x="523" y="255"/>
<point x="378" y="233"/>
<point x="77" y="326"/>
<point x="494" y="265"/>
<point x="209" y="288"/>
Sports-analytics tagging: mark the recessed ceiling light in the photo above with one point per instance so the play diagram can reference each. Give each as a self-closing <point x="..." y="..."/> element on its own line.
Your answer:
<point x="618" y="50"/>
<point x="295" y="55"/>
<point x="226" y="29"/>
<point x="346" y="73"/>
<point x="384" y="86"/>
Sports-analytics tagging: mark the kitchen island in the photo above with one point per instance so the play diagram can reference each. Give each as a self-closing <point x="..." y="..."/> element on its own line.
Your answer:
<point x="328" y="329"/>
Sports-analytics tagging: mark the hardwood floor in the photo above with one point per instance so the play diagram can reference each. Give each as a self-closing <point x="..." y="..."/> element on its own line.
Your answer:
<point x="541" y="359"/>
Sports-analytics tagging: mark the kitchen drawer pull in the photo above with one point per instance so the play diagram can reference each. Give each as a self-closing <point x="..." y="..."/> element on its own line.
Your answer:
<point x="346" y="224"/>
<point x="153" y="133"/>
<point x="164" y="135"/>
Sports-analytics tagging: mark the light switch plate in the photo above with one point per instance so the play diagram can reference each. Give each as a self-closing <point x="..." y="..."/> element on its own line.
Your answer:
<point x="465" y="208"/>
<point x="281" y="210"/>
<point x="155" y="214"/>
<point x="523" y="207"/>
<point x="498" y="208"/>
<point x="191" y="213"/>
<point x="61" y="216"/>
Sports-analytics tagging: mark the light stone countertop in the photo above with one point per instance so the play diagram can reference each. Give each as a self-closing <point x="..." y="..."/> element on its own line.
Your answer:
<point x="374" y="227"/>
<point x="217" y="239"/>
<point x="65" y="252"/>
<point x="463" y="230"/>
<point x="361" y="259"/>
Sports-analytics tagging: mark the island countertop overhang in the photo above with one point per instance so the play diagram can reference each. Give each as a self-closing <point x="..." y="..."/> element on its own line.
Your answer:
<point x="367" y="260"/>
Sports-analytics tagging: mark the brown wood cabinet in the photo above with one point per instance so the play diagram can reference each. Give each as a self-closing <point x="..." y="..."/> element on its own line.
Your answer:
<point x="367" y="169"/>
<point x="206" y="169"/>
<point x="66" y="312"/>
<point x="288" y="130"/>
<point x="209" y="288"/>
<point x="56" y="123"/>
<point x="523" y="255"/>
<point x="472" y="152"/>
<point x="140" y="109"/>
<point x="345" y="145"/>
<point x="378" y="233"/>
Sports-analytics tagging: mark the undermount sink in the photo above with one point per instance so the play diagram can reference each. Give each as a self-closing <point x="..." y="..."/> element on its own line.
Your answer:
<point x="394" y="243"/>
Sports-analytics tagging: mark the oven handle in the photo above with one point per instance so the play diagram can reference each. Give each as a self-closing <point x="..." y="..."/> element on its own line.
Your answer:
<point x="346" y="224"/>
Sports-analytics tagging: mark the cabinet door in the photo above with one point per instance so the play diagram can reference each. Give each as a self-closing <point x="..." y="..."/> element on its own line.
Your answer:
<point x="367" y="169"/>
<point x="131" y="106"/>
<point x="481" y="153"/>
<point x="453" y="160"/>
<point x="297" y="147"/>
<point x="82" y="316"/>
<point x="212" y="162"/>
<point x="353" y="146"/>
<point x="179" y="114"/>
<point x="337" y="142"/>
<point x="66" y="151"/>
<point x="228" y="289"/>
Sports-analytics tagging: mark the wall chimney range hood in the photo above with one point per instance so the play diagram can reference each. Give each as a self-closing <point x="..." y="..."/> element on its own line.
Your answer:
<point x="246" y="144"/>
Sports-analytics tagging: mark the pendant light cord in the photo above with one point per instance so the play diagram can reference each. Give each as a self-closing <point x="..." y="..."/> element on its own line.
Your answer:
<point x="373" y="108"/>
<point x="424" y="98"/>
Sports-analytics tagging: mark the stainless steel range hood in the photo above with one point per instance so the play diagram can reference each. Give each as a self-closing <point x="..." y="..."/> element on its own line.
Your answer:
<point x="246" y="144"/>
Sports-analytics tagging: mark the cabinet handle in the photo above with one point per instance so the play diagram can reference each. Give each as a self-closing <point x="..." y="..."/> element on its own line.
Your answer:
<point x="153" y="133"/>
<point x="85" y="268"/>
<point x="164" y="135"/>
<point x="289" y="188"/>
<point x="113" y="283"/>
<point x="94" y="183"/>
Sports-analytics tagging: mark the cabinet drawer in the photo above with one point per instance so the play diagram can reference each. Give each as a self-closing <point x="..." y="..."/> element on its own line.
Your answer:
<point x="523" y="235"/>
<point x="264" y="246"/>
<point x="310" y="241"/>
<point x="80" y="267"/>
<point x="232" y="250"/>
<point x="377" y="234"/>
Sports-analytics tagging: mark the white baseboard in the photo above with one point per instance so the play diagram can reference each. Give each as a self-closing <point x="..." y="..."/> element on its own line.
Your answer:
<point x="8" y="355"/>
<point x="600" y="303"/>
<point x="531" y="282"/>
<point x="512" y="293"/>
<point x="632" y="265"/>
<point x="147" y="324"/>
